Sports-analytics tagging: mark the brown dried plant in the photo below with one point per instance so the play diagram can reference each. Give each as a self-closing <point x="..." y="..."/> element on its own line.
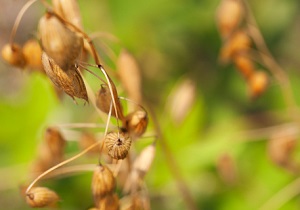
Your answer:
<point x="61" y="53"/>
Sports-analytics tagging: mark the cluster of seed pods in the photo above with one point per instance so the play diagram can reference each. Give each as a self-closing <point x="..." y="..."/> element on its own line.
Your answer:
<point x="60" y="52"/>
<point x="237" y="45"/>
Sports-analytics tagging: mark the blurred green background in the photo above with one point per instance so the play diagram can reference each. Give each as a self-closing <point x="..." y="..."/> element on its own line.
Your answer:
<point x="175" y="42"/>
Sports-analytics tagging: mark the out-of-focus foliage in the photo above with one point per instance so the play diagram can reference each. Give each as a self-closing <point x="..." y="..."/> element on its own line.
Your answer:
<point x="173" y="41"/>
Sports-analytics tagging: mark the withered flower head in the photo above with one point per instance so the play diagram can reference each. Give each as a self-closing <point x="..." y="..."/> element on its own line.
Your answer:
<point x="13" y="55"/>
<point x="39" y="197"/>
<point x="104" y="102"/>
<point x="69" y="81"/>
<point x="103" y="182"/>
<point x="136" y="123"/>
<point x="117" y="144"/>
<point x="59" y="42"/>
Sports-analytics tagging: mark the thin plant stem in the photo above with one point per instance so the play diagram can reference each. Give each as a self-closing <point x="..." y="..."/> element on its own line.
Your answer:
<point x="61" y="164"/>
<point x="173" y="165"/>
<point x="18" y="20"/>
<point x="283" y="196"/>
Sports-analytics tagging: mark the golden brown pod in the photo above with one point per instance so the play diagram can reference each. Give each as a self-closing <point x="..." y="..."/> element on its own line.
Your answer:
<point x="229" y="15"/>
<point x="59" y="42"/>
<point x="69" y="10"/>
<point x="69" y="81"/>
<point x="109" y="202"/>
<point x="13" y="55"/>
<point x="39" y="197"/>
<point x="136" y="123"/>
<point x="244" y="65"/>
<point x="117" y="144"/>
<point x="130" y="77"/>
<point x="258" y="83"/>
<point x="239" y="43"/>
<point x="33" y="55"/>
<point x="227" y="169"/>
<point x="103" y="183"/>
<point x="55" y="142"/>
<point x="104" y="102"/>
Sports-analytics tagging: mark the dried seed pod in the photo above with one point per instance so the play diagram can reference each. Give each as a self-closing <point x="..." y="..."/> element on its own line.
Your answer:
<point x="55" y="142"/>
<point x="141" y="166"/>
<point x="227" y="169"/>
<point x="104" y="102"/>
<point x="181" y="100"/>
<point x="130" y="76"/>
<point x="69" y="10"/>
<point x="136" y="123"/>
<point x="13" y="55"/>
<point x="117" y="144"/>
<point x="59" y="42"/>
<point x="281" y="147"/>
<point x="239" y="43"/>
<point x="109" y="202"/>
<point x="103" y="183"/>
<point x="244" y="65"/>
<point x="86" y="140"/>
<point x="33" y="55"/>
<point x="39" y="197"/>
<point x="229" y="15"/>
<point x="257" y="83"/>
<point x="69" y="81"/>
<point x="144" y="161"/>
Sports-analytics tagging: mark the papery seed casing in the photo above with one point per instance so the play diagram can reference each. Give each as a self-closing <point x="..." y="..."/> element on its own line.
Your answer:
<point x="229" y="15"/>
<point x="258" y="83"/>
<point x="104" y="102"/>
<point x="69" y="81"/>
<point x="39" y="197"/>
<point x="109" y="202"/>
<point x="33" y="55"/>
<point x="13" y="55"/>
<point x="69" y="10"/>
<point x="117" y="144"/>
<point x="103" y="183"/>
<point x="59" y="42"/>
<point x="130" y="76"/>
<point x="136" y="123"/>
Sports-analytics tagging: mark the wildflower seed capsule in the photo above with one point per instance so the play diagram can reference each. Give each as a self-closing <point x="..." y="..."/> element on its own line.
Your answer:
<point x="59" y="42"/>
<point x="69" y="10"/>
<point x="13" y="55"/>
<point x="117" y="144"/>
<point x="33" y="55"/>
<point x="39" y="197"/>
<point x="136" y="123"/>
<point x="103" y="183"/>
<point x="130" y="76"/>
<point x="244" y="65"/>
<point x="229" y="15"/>
<point x="104" y="102"/>
<point x="258" y="83"/>
<point x="69" y="81"/>
<point x="109" y="202"/>
<point x="239" y="43"/>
